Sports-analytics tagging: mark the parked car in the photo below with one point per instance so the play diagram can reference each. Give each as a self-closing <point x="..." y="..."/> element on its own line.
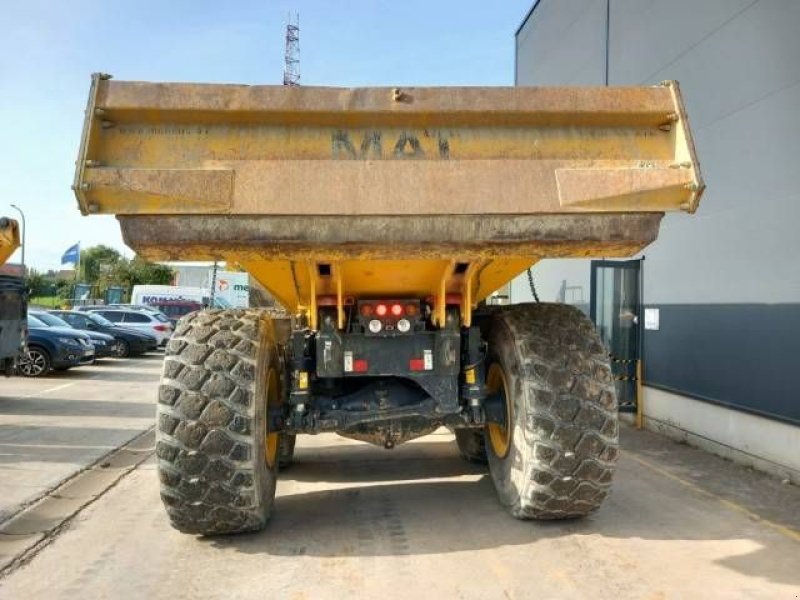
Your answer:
<point x="140" y="307"/>
<point x="53" y="348"/>
<point x="129" y="341"/>
<point x="175" y="310"/>
<point x="153" y="324"/>
<point x="104" y="344"/>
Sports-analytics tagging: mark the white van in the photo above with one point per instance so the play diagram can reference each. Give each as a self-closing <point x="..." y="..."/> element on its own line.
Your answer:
<point x="153" y="294"/>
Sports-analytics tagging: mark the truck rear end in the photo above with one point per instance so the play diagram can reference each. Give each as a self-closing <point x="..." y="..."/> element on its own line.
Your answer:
<point x="13" y="301"/>
<point x="381" y="218"/>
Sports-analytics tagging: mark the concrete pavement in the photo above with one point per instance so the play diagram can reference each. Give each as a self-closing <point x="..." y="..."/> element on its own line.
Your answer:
<point x="352" y="520"/>
<point x="356" y="521"/>
<point x="51" y="428"/>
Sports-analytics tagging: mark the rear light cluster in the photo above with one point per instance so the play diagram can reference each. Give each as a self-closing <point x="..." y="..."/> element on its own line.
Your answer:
<point x="381" y="315"/>
<point x="382" y="309"/>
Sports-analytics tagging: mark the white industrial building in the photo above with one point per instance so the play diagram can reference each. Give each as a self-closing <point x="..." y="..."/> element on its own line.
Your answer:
<point x="719" y="290"/>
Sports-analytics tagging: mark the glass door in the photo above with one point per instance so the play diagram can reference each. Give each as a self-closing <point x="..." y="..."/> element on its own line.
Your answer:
<point x="616" y="311"/>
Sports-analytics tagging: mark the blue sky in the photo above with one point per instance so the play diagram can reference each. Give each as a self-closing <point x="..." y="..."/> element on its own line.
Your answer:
<point x="49" y="49"/>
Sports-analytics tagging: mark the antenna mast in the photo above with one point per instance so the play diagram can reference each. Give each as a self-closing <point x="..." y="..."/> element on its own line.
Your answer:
<point x="291" y="71"/>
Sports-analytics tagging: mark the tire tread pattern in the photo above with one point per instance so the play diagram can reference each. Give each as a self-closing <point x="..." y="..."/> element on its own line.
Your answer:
<point x="205" y="440"/>
<point x="571" y="425"/>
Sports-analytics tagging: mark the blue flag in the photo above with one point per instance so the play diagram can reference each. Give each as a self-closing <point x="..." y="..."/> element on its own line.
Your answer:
<point x="72" y="255"/>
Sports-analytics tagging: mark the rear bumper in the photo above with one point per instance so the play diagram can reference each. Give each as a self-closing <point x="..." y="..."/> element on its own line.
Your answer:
<point x="161" y="337"/>
<point x="409" y="385"/>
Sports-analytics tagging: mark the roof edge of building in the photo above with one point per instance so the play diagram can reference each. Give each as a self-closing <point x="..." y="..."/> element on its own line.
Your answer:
<point x="527" y="17"/>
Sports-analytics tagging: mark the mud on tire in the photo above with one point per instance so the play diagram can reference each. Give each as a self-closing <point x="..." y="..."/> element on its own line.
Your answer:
<point x="211" y="436"/>
<point x="564" y="437"/>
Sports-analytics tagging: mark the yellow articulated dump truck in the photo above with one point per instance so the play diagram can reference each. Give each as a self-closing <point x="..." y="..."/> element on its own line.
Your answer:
<point x="9" y="238"/>
<point x="381" y="218"/>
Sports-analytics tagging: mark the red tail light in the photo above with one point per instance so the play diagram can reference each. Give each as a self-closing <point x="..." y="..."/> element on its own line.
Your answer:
<point x="416" y="364"/>
<point x="160" y="327"/>
<point x="391" y="309"/>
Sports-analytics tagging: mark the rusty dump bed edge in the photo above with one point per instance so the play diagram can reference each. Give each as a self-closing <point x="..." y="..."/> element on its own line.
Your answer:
<point x="224" y="149"/>
<point x="418" y="190"/>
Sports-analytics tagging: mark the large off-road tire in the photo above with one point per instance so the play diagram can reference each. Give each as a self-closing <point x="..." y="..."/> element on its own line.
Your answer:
<point x="556" y="460"/>
<point x="471" y="445"/>
<point x="217" y="462"/>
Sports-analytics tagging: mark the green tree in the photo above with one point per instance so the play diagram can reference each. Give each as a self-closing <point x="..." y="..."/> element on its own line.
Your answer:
<point x="102" y="267"/>
<point x="140" y="272"/>
<point x="64" y="289"/>
<point x="37" y="283"/>
<point x="97" y="261"/>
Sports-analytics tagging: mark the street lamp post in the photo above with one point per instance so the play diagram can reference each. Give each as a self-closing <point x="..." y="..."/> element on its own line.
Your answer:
<point x="24" y="231"/>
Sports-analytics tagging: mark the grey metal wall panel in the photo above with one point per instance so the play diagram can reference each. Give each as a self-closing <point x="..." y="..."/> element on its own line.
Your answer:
<point x="578" y="25"/>
<point x="738" y="62"/>
<point x="741" y="81"/>
<point x="739" y="355"/>
<point x="649" y="37"/>
<point x="743" y="244"/>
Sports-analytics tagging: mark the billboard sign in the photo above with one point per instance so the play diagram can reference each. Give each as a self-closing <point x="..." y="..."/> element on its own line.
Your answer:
<point x="233" y="287"/>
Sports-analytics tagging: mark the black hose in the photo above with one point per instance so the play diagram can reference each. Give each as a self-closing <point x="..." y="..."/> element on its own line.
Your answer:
<point x="533" y="285"/>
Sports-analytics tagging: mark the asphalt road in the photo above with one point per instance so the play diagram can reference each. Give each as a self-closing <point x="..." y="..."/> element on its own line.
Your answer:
<point x="417" y="522"/>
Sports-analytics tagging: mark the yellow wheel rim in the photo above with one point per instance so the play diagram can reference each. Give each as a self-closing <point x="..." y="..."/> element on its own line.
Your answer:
<point x="499" y="436"/>
<point x="271" y="447"/>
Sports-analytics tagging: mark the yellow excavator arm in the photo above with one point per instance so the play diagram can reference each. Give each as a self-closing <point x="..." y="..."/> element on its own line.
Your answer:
<point x="9" y="238"/>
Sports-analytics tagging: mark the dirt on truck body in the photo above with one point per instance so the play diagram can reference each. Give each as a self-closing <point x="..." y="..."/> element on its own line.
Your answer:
<point x="380" y="218"/>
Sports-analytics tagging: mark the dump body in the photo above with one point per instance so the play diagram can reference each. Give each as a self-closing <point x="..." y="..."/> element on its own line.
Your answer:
<point x="326" y="192"/>
<point x="9" y="238"/>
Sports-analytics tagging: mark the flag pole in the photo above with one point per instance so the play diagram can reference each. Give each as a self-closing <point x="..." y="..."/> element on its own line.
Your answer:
<point x="77" y="274"/>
